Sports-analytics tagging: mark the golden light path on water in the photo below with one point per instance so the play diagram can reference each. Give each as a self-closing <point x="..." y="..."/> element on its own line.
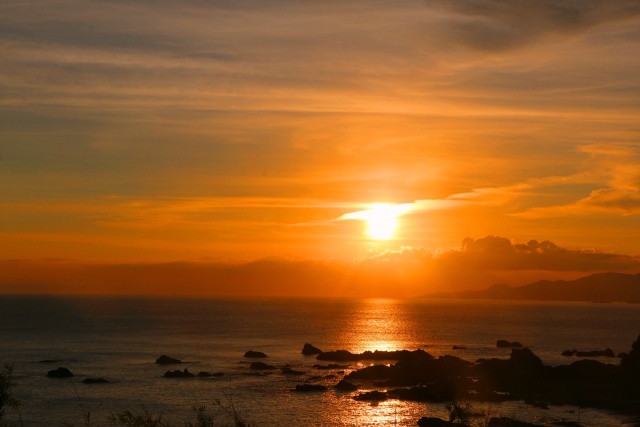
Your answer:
<point x="379" y="324"/>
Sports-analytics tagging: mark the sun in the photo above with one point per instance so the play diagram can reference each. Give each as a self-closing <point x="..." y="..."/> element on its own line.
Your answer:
<point x="381" y="218"/>
<point x="381" y="223"/>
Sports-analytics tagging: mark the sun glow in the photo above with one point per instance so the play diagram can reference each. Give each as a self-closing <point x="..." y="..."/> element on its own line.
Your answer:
<point x="381" y="218"/>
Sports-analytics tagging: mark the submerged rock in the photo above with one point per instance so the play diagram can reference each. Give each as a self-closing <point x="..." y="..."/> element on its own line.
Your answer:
<point x="345" y="385"/>
<point x="508" y="344"/>
<point x="255" y="354"/>
<point x="204" y="374"/>
<point x="289" y="371"/>
<point x="59" y="373"/>
<point x="179" y="374"/>
<point x="260" y="366"/>
<point x="310" y="387"/>
<point x="594" y="353"/>
<point x="166" y="360"/>
<point x="95" y="381"/>
<point x="330" y="366"/>
<point x="375" y="395"/>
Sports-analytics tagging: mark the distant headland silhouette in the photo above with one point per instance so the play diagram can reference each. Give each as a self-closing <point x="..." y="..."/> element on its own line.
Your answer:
<point x="599" y="287"/>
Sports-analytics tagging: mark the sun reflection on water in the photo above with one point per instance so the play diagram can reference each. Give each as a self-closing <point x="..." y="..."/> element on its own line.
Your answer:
<point x="377" y="324"/>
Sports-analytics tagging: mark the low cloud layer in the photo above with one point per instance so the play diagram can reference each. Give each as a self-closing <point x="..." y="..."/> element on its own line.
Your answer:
<point x="477" y="263"/>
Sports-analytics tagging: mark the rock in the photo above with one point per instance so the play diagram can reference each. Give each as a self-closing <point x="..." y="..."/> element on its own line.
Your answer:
<point x="166" y="360"/>
<point x="289" y="371"/>
<point x="524" y="359"/>
<point x="594" y="353"/>
<point x="47" y="361"/>
<point x="59" y="373"/>
<point x="459" y="347"/>
<point x="630" y="361"/>
<point x="309" y="350"/>
<point x="375" y="395"/>
<point x="375" y="372"/>
<point x="309" y="387"/>
<point x="95" y="381"/>
<point x="433" y="422"/>
<point x="178" y="374"/>
<point x="347" y="356"/>
<point x="260" y="366"/>
<point x="345" y="385"/>
<point x="509" y="422"/>
<point x="204" y="374"/>
<point x="255" y="354"/>
<point x="508" y="344"/>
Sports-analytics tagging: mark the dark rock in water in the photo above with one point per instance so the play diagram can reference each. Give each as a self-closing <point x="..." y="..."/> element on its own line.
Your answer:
<point x="508" y="344"/>
<point x="347" y="356"/>
<point x="374" y="395"/>
<point x="594" y="353"/>
<point x="289" y="371"/>
<point x="375" y="372"/>
<point x="309" y="387"/>
<point x="459" y="347"/>
<point x="309" y="350"/>
<point x="59" y="373"/>
<point x="435" y="422"/>
<point x="95" y="381"/>
<point x="255" y="354"/>
<point x="509" y="422"/>
<point x="166" y="360"/>
<point x="330" y="366"/>
<point x="204" y="374"/>
<point x="260" y="366"/>
<point x="345" y="385"/>
<point x="47" y="361"/>
<point x="179" y="374"/>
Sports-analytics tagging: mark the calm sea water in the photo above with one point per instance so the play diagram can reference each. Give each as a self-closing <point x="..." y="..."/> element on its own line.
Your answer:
<point x="119" y="339"/>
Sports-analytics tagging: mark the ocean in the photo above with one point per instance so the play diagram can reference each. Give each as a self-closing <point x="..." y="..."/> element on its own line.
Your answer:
<point x="119" y="339"/>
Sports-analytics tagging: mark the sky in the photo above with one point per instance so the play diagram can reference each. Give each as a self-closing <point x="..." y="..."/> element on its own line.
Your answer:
<point x="242" y="147"/>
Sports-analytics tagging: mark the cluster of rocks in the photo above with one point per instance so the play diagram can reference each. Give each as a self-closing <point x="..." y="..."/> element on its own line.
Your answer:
<point x="418" y="376"/>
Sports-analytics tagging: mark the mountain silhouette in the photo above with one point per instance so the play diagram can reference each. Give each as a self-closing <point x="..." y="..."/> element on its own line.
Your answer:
<point x="599" y="287"/>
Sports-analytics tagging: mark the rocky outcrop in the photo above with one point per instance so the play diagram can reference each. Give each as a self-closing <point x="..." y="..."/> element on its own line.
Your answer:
<point x="309" y="350"/>
<point x="166" y="360"/>
<point x="255" y="354"/>
<point x="59" y="373"/>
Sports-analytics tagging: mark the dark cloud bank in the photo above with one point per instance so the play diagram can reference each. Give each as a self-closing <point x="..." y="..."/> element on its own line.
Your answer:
<point x="477" y="263"/>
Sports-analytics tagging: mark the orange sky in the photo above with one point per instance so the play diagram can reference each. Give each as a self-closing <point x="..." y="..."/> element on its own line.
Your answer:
<point x="145" y="143"/>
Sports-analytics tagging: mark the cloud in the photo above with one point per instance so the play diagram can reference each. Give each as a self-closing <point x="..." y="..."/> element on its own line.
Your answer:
<point x="615" y="172"/>
<point x="500" y="253"/>
<point x="407" y="271"/>
<point x="496" y="25"/>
